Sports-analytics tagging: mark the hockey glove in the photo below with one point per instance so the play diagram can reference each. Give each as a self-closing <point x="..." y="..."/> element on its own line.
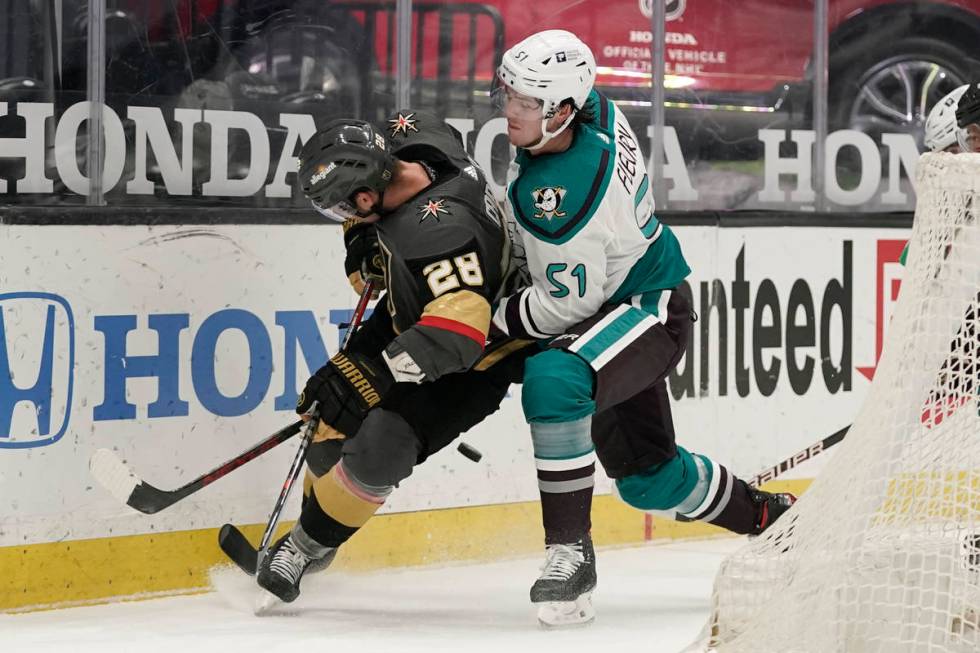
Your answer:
<point x="347" y="388"/>
<point x="363" y="261"/>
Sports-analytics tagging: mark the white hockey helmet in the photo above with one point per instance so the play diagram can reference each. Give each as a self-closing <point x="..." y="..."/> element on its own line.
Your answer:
<point x="968" y="119"/>
<point x="551" y="66"/>
<point x="941" y="129"/>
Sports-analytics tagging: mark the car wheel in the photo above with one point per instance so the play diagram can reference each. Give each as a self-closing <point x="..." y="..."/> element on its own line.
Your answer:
<point x="892" y="89"/>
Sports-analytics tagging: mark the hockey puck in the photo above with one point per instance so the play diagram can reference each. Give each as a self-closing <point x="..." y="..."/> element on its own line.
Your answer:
<point x="469" y="452"/>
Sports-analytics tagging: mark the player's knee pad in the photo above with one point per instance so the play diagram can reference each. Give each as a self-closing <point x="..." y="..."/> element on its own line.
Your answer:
<point x="679" y="484"/>
<point x="323" y="455"/>
<point x="383" y="452"/>
<point x="557" y="387"/>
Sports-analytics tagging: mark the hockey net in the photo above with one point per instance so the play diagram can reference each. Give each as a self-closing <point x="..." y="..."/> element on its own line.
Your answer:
<point x="882" y="553"/>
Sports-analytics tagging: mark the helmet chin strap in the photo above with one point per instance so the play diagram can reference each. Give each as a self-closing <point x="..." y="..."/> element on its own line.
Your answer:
<point x="546" y="135"/>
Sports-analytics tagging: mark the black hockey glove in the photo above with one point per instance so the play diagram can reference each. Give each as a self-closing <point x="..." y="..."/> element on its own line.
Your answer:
<point x="363" y="252"/>
<point x="347" y="388"/>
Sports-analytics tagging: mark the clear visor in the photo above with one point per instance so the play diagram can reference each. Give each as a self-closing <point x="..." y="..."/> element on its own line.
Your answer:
<point x="515" y="105"/>
<point x="339" y="212"/>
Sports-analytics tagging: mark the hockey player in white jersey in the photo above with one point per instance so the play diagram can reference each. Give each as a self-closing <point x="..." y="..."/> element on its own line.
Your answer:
<point x="606" y="302"/>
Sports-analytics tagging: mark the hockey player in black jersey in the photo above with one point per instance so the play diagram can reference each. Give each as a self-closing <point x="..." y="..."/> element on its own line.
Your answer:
<point x="420" y="218"/>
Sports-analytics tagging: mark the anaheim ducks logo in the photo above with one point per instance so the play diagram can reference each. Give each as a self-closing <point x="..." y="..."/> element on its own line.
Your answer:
<point x="403" y="124"/>
<point x="547" y="201"/>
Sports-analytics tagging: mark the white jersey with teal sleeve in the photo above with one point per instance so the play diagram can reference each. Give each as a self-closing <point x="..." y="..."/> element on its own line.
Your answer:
<point x="584" y="220"/>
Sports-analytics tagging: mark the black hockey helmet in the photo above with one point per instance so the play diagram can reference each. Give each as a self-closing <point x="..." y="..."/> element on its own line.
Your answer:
<point x="346" y="156"/>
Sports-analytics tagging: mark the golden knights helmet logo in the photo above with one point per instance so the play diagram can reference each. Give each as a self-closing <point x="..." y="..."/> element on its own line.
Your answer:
<point x="547" y="201"/>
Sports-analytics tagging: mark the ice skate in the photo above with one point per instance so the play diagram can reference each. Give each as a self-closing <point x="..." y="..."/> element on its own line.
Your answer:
<point x="563" y="592"/>
<point x="284" y="566"/>
<point x="771" y="507"/>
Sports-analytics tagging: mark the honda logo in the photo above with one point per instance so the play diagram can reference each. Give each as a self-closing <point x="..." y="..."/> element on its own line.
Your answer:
<point x="37" y="359"/>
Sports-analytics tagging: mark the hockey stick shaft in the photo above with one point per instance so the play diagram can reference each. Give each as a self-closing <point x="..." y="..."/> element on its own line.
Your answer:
<point x="222" y="470"/>
<point x="291" y="477"/>
<point x="359" y="309"/>
<point x="810" y="452"/>
<point x="116" y="477"/>
<point x="311" y="428"/>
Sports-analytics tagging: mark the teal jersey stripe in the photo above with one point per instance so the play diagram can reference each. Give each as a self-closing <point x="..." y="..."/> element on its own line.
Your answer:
<point x="661" y="267"/>
<point x="650" y="227"/>
<point x="611" y="334"/>
<point x="641" y="192"/>
<point x="649" y="300"/>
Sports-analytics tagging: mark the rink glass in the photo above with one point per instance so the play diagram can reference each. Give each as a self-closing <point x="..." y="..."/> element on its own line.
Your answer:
<point x="207" y="102"/>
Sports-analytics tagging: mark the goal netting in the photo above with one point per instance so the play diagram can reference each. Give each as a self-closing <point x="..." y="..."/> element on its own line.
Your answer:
<point x="882" y="553"/>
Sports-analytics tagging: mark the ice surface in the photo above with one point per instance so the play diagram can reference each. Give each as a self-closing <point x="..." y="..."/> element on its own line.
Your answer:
<point x="650" y="598"/>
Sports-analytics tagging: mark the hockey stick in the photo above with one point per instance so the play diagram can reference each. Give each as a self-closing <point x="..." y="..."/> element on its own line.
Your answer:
<point x="231" y="540"/>
<point x="785" y="465"/>
<point x="115" y="476"/>
<point x="287" y="486"/>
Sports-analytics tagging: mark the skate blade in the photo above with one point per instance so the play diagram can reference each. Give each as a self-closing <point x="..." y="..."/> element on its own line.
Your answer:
<point x="266" y="603"/>
<point x="564" y="614"/>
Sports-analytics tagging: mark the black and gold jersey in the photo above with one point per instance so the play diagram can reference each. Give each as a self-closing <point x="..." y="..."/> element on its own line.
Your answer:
<point x="445" y="249"/>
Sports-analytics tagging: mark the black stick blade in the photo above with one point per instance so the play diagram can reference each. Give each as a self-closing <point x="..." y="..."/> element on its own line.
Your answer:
<point x="238" y="549"/>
